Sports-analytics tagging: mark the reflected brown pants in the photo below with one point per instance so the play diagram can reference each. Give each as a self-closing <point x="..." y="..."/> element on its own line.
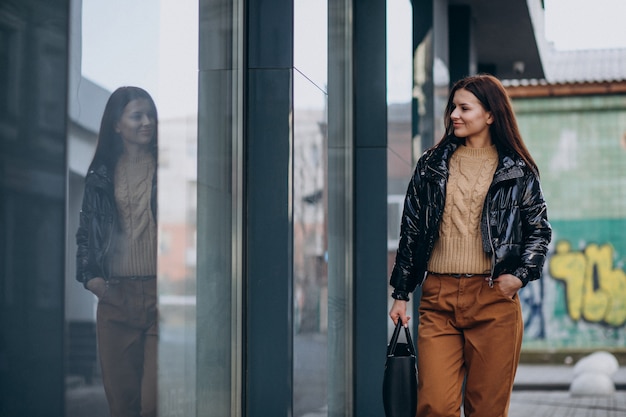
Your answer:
<point x="127" y="343"/>
<point x="470" y="331"/>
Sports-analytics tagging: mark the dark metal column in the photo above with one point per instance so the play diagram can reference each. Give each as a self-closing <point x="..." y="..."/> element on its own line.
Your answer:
<point x="268" y="181"/>
<point x="370" y="205"/>
<point x="459" y="21"/>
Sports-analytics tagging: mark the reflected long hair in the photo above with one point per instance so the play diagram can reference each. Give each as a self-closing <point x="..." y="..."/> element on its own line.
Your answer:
<point x="110" y="143"/>
<point x="494" y="99"/>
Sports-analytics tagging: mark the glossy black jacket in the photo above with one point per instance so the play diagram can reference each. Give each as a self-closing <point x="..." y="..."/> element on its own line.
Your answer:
<point x="98" y="222"/>
<point x="514" y="224"/>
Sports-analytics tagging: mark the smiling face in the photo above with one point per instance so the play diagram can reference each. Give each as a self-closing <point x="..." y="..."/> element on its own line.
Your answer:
<point x="470" y="120"/>
<point x="137" y="125"/>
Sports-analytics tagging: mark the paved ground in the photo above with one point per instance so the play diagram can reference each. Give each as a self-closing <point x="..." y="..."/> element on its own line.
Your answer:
<point x="562" y="404"/>
<point x="555" y="377"/>
<point x="540" y="391"/>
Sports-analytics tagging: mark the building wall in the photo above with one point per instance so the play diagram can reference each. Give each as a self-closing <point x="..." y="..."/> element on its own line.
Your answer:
<point x="33" y="85"/>
<point x="579" y="145"/>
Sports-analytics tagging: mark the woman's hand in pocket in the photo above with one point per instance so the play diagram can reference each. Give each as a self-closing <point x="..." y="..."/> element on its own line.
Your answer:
<point x="98" y="286"/>
<point x="509" y="284"/>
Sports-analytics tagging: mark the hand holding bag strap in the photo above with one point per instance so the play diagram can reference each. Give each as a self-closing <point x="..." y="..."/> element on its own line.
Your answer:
<point x="409" y="341"/>
<point x="391" y="348"/>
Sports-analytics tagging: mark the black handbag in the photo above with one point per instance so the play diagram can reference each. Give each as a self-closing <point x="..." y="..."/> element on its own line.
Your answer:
<point x="400" y="378"/>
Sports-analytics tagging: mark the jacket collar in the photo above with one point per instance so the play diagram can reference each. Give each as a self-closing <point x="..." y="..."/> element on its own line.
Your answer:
<point x="510" y="165"/>
<point x="100" y="177"/>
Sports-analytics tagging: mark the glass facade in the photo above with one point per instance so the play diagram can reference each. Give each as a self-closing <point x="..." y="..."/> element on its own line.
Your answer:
<point x="310" y="193"/>
<point x="219" y="327"/>
<point x="33" y="184"/>
<point x="273" y="246"/>
<point x="265" y="182"/>
<point x="340" y="157"/>
<point x="149" y="48"/>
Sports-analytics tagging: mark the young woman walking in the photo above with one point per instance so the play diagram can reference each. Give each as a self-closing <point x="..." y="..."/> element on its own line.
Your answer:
<point x="474" y="231"/>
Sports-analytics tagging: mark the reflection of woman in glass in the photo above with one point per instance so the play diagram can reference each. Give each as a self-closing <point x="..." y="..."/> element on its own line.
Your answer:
<point x="116" y="257"/>
<point x="474" y="231"/>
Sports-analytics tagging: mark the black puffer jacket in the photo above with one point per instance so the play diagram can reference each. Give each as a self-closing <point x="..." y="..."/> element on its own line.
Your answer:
<point x="514" y="224"/>
<point x="98" y="222"/>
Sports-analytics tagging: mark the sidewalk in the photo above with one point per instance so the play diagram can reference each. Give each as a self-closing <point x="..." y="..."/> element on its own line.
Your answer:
<point x="543" y="391"/>
<point x="561" y="404"/>
<point x="539" y="391"/>
<point x="555" y="378"/>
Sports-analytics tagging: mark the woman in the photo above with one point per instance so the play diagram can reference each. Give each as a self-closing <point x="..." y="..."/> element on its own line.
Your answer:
<point x="474" y="231"/>
<point x="116" y="256"/>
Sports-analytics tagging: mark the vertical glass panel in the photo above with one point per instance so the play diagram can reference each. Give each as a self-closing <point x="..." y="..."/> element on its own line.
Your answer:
<point x="310" y="209"/>
<point x="340" y="209"/>
<point x="220" y="203"/>
<point x="154" y="46"/>
<point x="400" y="94"/>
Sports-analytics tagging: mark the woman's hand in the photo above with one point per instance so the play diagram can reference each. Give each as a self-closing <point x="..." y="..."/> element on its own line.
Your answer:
<point x="398" y="311"/>
<point x="97" y="285"/>
<point x="509" y="284"/>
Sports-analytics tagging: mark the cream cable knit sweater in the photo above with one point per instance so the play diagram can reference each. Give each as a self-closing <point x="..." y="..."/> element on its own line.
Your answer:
<point x="459" y="249"/>
<point x="135" y="247"/>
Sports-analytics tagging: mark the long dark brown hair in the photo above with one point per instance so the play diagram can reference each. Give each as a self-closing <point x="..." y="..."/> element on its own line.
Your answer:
<point x="110" y="144"/>
<point x="494" y="99"/>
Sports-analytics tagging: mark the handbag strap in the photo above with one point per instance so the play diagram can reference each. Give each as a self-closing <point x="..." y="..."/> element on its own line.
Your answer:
<point x="391" y="348"/>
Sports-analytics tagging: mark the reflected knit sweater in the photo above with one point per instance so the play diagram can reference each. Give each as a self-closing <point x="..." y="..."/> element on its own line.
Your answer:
<point x="135" y="244"/>
<point x="459" y="249"/>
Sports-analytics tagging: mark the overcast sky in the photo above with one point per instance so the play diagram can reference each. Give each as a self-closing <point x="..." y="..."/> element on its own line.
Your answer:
<point x="136" y="42"/>
<point x="586" y="24"/>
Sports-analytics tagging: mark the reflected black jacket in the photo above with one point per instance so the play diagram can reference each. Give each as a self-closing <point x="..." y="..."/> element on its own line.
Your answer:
<point x="98" y="221"/>
<point x="514" y="222"/>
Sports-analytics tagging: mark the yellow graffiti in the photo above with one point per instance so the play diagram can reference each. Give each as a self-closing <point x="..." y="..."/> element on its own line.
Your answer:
<point x="594" y="290"/>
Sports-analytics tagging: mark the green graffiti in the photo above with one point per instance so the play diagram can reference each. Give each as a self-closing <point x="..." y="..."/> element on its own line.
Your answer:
<point x="595" y="291"/>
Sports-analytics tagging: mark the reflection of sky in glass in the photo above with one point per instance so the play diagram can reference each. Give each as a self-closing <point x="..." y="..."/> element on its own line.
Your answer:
<point x="120" y="42"/>
<point x="140" y="43"/>
<point x="399" y="51"/>
<point x="310" y="55"/>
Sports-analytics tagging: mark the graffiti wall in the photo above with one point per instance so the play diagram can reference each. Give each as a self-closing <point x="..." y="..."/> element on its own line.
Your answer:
<point x="579" y="144"/>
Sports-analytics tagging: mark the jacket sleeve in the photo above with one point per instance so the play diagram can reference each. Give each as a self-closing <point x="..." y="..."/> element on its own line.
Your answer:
<point x="402" y="278"/>
<point x="536" y="230"/>
<point x="83" y="271"/>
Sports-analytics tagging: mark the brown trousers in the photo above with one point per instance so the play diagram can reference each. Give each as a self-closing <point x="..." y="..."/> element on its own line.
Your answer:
<point x="127" y="343"/>
<point x="467" y="331"/>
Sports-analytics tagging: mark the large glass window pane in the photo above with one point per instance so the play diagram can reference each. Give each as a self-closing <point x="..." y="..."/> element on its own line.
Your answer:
<point x="154" y="46"/>
<point x="400" y="99"/>
<point x="340" y="209"/>
<point x="310" y="184"/>
<point x="220" y="204"/>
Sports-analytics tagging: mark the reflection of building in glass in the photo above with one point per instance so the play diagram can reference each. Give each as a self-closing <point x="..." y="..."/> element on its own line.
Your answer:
<point x="309" y="224"/>
<point x="400" y="166"/>
<point x="85" y="111"/>
<point x="177" y="222"/>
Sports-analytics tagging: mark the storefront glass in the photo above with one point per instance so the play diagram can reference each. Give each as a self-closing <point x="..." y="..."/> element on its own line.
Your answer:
<point x="310" y="192"/>
<point x="153" y="46"/>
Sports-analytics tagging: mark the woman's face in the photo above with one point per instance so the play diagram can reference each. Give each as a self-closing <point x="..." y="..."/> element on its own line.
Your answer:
<point x="469" y="118"/>
<point x="137" y="124"/>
